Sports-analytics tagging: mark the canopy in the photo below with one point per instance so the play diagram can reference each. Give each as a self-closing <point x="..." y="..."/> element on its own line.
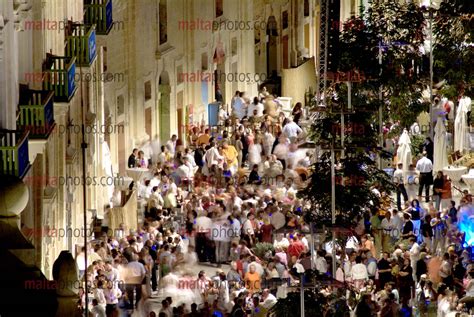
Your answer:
<point x="440" y="157"/>
<point x="461" y="136"/>
<point x="404" y="151"/>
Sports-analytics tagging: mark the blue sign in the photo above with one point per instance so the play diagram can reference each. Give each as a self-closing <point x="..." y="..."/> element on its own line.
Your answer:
<point x="213" y="113"/>
<point x="108" y="14"/>
<point x="92" y="47"/>
<point x="70" y="80"/>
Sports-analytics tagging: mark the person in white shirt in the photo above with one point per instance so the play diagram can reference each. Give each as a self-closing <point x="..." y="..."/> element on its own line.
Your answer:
<point x="414" y="255"/>
<point x="399" y="181"/>
<point x="359" y="273"/>
<point x="97" y="310"/>
<point x="268" y="299"/>
<point x="239" y="108"/>
<point x="99" y="294"/>
<point x="163" y="156"/>
<point x="255" y="105"/>
<point x="281" y="242"/>
<point x="185" y="171"/>
<point x="155" y="181"/>
<point x="386" y="232"/>
<point x="396" y="223"/>
<point x="425" y="167"/>
<point x="291" y="129"/>
<point x="171" y="144"/>
<point x="81" y="263"/>
<point x="212" y="158"/>
<point x="320" y="262"/>
<point x="133" y="274"/>
<point x="112" y="295"/>
<point x="348" y="263"/>
<point x="221" y="234"/>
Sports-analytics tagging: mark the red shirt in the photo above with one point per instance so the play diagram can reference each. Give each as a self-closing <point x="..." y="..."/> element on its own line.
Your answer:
<point x="296" y="248"/>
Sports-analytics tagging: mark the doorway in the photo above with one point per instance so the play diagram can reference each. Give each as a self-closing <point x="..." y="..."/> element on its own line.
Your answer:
<point x="272" y="43"/>
<point x="122" y="155"/>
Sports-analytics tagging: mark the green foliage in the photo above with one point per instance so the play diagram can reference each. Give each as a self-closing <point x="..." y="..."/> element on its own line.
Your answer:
<point x="262" y="249"/>
<point x="416" y="142"/>
<point x="453" y="51"/>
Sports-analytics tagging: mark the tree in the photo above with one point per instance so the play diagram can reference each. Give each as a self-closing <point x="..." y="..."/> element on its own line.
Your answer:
<point x="453" y="52"/>
<point x="393" y="32"/>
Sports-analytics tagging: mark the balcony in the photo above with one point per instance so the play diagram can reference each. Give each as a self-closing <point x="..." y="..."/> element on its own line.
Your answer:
<point x="58" y="76"/>
<point x="36" y="113"/>
<point x="99" y="12"/>
<point x="81" y="43"/>
<point x="14" y="157"/>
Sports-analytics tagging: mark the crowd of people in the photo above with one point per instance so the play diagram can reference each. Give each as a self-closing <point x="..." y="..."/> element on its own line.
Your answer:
<point x="227" y="197"/>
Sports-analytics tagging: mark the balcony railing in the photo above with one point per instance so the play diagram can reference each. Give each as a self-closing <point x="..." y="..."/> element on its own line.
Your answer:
<point x="99" y="12"/>
<point x="58" y="76"/>
<point x="36" y="113"/>
<point x="14" y="158"/>
<point x="81" y="44"/>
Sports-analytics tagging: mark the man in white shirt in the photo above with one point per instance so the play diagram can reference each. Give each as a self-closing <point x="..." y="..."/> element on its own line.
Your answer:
<point x="359" y="273"/>
<point x="396" y="223"/>
<point x="185" y="171"/>
<point x="97" y="310"/>
<point x="155" y="181"/>
<point x="239" y="108"/>
<point x="132" y="274"/>
<point x="291" y="129"/>
<point x="221" y="233"/>
<point x="348" y="264"/>
<point x="425" y="167"/>
<point x="81" y="262"/>
<point x="281" y="242"/>
<point x="268" y="299"/>
<point x="386" y="231"/>
<point x="171" y="144"/>
<point x="399" y="181"/>
<point x="255" y="105"/>
<point x="321" y="263"/>
<point x="414" y="255"/>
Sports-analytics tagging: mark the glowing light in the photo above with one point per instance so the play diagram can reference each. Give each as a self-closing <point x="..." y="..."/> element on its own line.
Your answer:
<point x="466" y="223"/>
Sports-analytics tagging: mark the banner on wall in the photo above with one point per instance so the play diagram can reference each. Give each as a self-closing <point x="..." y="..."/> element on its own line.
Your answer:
<point x="213" y="113"/>
<point x="189" y="112"/>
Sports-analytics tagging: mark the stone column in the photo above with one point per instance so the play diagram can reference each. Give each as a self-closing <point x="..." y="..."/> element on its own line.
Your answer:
<point x="67" y="281"/>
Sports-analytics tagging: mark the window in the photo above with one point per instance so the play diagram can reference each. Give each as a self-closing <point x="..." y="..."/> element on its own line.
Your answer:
<point x="163" y="22"/>
<point x="284" y="20"/>
<point x="234" y="46"/>
<point x="181" y="75"/>
<point x="306" y="8"/>
<point x="104" y="68"/>
<point x="219" y="8"/>
<point x="120" y="105"/>
<point x="204" y="62"/>
<point x="147" y="90"/>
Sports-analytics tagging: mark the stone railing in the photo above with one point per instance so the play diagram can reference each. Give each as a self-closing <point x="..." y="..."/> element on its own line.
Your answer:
<point x="126" y="214"/>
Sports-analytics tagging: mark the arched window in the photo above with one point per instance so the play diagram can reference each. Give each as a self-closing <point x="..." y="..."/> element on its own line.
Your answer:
<point x="219" y="8"/>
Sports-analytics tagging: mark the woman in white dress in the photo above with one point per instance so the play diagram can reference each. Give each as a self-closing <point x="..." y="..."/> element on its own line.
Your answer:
<point x="268" y="140"/>
<point x="255" y="150"/>
<point x="281" y="150"/>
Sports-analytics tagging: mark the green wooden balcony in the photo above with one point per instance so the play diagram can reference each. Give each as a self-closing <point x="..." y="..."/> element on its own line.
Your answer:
<point x="99" y="12"/>
<point x="14" y="157"/>
<point x="58" y="76"/>
<point x="81" y="44"/>
<point x="36" y="113"/>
